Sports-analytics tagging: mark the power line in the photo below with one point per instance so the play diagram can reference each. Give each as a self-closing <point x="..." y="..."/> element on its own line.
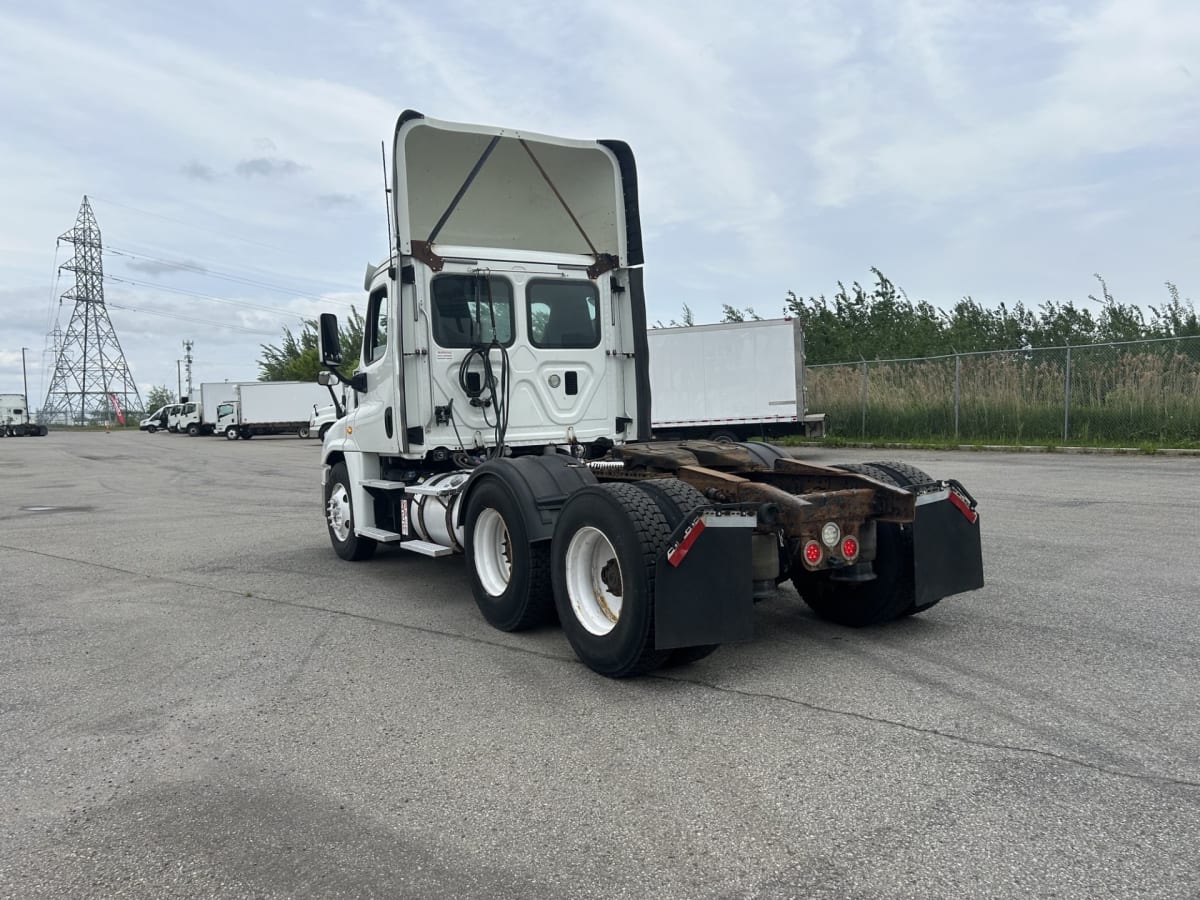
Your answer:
<point x="221" y="233"/>
<point x="286" y="313"/>
<point x="181" y="318"/>
<point x="214" y="273"/>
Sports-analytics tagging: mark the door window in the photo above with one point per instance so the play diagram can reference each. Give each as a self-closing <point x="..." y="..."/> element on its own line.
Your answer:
<point x="469" y="310"/>
<point x="563" y="314"/>
<point x="375" y="332"/>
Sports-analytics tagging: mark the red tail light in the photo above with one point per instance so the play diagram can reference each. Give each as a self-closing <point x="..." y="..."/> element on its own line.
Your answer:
<point x="812" y="553"/>
<point x="849" y="548"/>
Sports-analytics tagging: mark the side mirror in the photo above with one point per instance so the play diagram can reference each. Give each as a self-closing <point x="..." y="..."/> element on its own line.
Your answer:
<point x="329" y="345"/>
<point x="328" y="378"/>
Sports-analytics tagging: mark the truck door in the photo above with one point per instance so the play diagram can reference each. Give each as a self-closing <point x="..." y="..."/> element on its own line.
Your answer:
<point x="377" y="421"/>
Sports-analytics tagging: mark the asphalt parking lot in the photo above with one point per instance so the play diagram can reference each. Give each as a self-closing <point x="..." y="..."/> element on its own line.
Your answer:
<point x="198" y="699"/>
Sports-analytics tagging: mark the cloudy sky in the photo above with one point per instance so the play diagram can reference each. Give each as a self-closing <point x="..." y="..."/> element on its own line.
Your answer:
<point x="998" y="148"/>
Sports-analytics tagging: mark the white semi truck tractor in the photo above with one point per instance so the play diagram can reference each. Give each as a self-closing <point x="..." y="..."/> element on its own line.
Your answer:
<point x="503" y="412"/>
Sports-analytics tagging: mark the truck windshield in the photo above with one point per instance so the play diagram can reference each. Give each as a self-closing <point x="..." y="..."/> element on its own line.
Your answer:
<point x="462" y="314"/>
<point x="224" y="409"/>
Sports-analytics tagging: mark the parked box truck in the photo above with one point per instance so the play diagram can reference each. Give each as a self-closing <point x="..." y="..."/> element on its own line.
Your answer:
<point x="200" y="415"/>
<point x="730" y="381"/>
<point x="269" y="407"/>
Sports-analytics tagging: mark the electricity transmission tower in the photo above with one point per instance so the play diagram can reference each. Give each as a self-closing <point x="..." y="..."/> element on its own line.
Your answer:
<point x="91" y="378"/>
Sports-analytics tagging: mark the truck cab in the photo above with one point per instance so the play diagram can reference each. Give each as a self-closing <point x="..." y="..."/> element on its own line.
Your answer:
<point x="173" y="413"/>
<point x="189" y="419"/>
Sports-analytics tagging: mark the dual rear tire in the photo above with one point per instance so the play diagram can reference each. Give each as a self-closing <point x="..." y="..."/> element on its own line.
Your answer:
<point x="596" y="575"/>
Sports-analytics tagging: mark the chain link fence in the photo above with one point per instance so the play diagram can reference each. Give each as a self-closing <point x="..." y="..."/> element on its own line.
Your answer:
<point x="1123" y="393"/>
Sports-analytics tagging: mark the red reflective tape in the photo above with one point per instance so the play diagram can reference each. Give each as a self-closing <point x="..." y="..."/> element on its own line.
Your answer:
<point x="676" y="554"/>
<point x="963" y="508"/>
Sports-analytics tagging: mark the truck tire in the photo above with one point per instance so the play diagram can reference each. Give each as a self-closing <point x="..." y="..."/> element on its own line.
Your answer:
<point x="339" y="518"/>
<point x="607" y="540"/>
<point x="906" y="476"/>
<point x="510" y="577"/>
<point x="150" y="429"/>
<point x="302" y="431"/>
<point x="677" y="499"/>
<point x="193" y="430"/>
<point x="231" y="433"/>
<point x="857" y="605"/>
<point x="247" y="434"/>
<point x="724" y="436"/>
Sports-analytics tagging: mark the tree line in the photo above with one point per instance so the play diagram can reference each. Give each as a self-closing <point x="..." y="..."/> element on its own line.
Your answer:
<point x="882" y="322"/>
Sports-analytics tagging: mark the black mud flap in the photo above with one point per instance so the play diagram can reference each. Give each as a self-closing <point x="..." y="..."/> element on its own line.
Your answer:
<point x="703" y="590"/>
<point x="947" y="553"/>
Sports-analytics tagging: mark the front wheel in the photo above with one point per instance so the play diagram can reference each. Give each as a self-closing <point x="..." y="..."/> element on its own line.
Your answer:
<point x="339" y="517"/>
<point x="231" y="433"/>
<point x="150" y="429"/>
<point x="193" y="430"/>
<point x="606" y="543"/>
<point x="510" y="577"/>
<point x="302" y="431"/>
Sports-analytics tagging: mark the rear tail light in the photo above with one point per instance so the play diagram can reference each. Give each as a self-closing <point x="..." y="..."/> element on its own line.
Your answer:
<point x="850" y="548"/>
<point x="813" y="553"/>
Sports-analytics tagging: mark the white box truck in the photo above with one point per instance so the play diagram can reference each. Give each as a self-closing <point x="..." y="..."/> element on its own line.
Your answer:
<point x="730" y="381"/>
<point x="200" y="415"/>
<point x="269" y="407"/>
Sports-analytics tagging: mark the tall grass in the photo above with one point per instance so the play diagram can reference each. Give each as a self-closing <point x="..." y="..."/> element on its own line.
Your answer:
<point x="1122" y="394"/>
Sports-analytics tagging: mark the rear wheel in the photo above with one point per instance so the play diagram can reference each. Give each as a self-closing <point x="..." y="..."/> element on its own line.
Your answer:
<point x="858" y="604"/>
<point x="725" y="436"/>
<point x="339" y="517"/>
<point x="606" y="542"/>
<point x="510" y="577"/>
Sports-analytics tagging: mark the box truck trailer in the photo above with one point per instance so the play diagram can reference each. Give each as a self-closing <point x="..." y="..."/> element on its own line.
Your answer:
<point x="269" y="407"/>
<point x="730" y="381"/>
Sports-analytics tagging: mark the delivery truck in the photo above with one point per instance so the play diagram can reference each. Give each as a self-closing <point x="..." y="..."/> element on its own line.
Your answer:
<point x="730" y="382"/>
<point x="200" y="415"/>
<point x="268" y="407"/>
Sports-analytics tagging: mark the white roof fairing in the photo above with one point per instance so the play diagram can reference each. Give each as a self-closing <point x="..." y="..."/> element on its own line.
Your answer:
<point x="509" y="204"/>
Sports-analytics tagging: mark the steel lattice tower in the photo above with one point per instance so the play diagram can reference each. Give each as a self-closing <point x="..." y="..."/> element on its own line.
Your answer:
<point x="91" y="376"/>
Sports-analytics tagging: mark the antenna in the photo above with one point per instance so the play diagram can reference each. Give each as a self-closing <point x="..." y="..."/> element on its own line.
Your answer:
<point x="387" y="206"/>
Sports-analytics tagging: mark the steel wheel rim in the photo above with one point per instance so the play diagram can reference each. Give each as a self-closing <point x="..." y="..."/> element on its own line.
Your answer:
<point x="338" y="513"/>
<point x="491" y="548"/>
<point x="595" y="585"/>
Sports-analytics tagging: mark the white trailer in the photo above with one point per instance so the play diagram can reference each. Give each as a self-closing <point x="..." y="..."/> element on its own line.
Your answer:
<point x="730" y="381"/>
<point x="269" y="407"/>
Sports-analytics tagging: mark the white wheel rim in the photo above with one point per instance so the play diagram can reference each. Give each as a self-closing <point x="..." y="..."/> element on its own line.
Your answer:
<point x="338" y="513"/>
<point x="595" y="585"/>
<point x="492" y="552"/>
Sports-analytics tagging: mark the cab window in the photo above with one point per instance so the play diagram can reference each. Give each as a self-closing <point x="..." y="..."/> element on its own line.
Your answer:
<point x="224" y="409"/>
<point x="469" y="310"/>
<point x="375" y="330"/>
<point x="563" y="314"/>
